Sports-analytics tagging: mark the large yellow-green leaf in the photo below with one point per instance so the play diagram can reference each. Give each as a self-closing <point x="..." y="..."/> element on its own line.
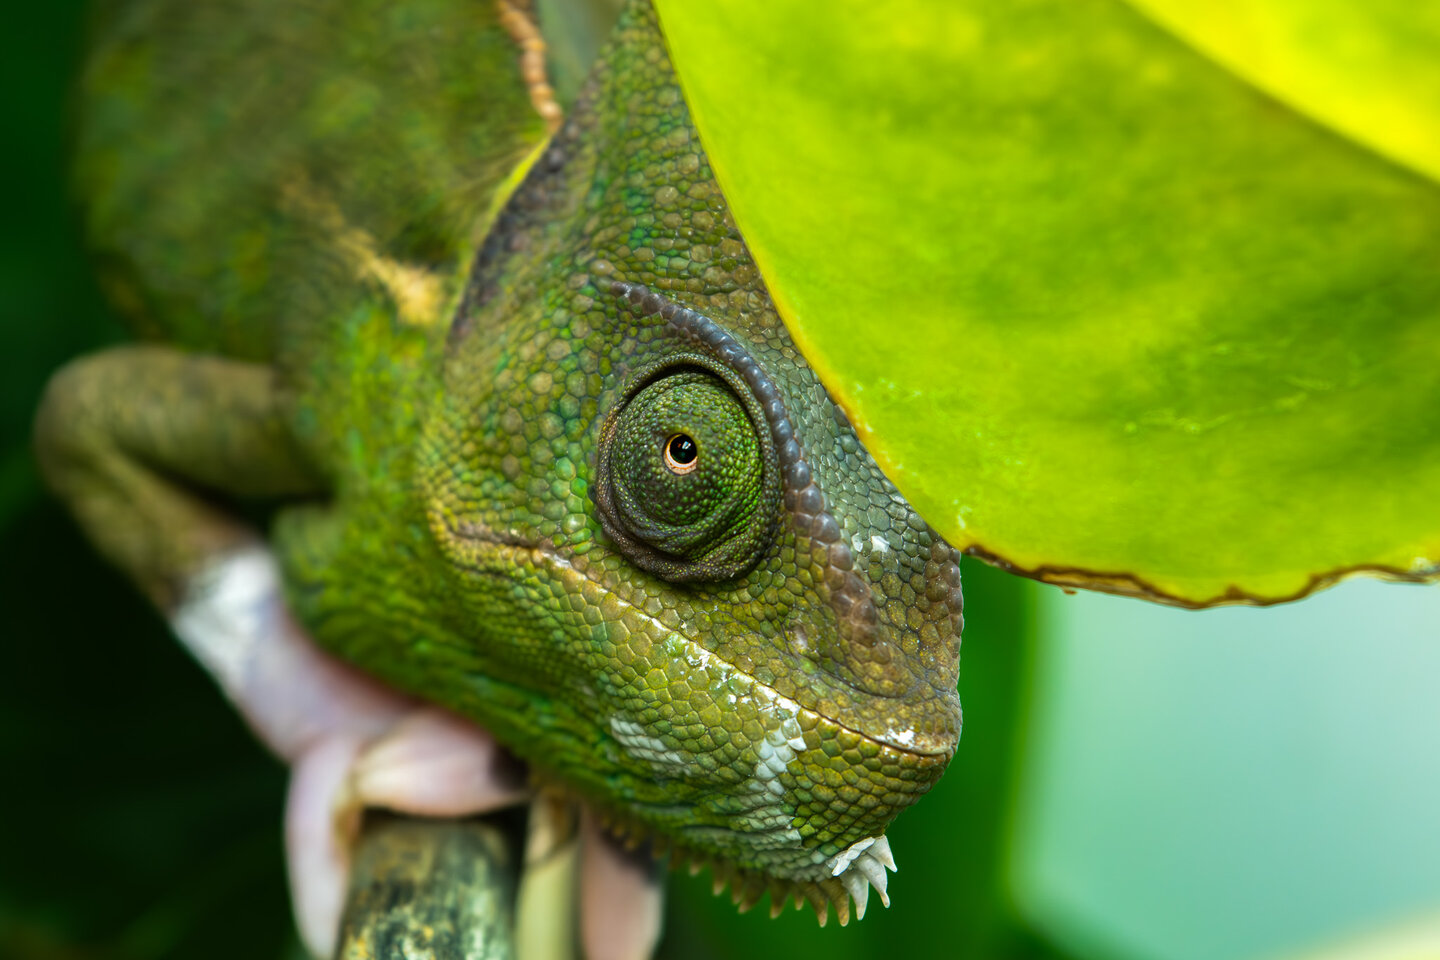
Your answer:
<point x="1366" y="67"/>
<point x="1106" y="312"/>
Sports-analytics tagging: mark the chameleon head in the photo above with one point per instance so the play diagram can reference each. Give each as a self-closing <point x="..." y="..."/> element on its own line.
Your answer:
<point x="689" y="594"/>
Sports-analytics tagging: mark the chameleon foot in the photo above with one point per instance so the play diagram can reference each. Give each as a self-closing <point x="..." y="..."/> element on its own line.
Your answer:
<point x="353" y="744"/>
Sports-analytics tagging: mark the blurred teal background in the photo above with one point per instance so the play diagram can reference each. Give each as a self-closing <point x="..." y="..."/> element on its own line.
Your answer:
<point x="1234" y="782"/>
<point x="1134" y="783"/>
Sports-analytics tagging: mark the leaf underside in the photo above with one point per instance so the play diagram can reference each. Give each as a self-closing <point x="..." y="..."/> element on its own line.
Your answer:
<point x="1111" y="310"/>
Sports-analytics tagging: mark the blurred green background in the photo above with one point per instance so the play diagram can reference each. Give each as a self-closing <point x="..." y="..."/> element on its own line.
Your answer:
<point x="1134" y="783"/>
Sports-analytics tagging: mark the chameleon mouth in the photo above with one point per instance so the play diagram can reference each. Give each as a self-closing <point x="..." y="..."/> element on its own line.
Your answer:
<point x="902" y="741"/>
<point x="865" y="864"/>
<point x="836" y="881"/>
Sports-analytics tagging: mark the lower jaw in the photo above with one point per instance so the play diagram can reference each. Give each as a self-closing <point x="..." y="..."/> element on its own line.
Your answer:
<point x="747" y="885"/>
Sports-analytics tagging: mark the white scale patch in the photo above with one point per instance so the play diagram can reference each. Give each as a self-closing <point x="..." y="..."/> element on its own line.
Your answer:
<point x="775" y="752"/>
<point x="772" y="755"/>
<point x="878" y="544"/>
<point x="784" y="740"/>
<point x="648" y="749"/>
<point x="901" y="738"/>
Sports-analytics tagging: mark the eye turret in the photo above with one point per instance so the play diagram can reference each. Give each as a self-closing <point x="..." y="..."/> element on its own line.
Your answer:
<point x="683" y="483"/>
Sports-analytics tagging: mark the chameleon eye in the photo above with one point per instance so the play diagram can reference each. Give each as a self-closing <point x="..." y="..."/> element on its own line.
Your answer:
<point x="681" y="478"/>
<point x="681" y="454"/>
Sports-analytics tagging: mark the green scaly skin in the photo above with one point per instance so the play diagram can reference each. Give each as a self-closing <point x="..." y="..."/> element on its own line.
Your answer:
<point x="752" y="662"/>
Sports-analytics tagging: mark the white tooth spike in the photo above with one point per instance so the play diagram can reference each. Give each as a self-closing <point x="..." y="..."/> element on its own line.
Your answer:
<point x="839" y="863"/>
<point x="859" y="891"/>
<point x="880" y="850"/>
<point x="874" y="871"/>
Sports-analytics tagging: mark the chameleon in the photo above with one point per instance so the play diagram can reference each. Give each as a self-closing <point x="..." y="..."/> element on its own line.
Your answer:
<point x="533" y="439"/>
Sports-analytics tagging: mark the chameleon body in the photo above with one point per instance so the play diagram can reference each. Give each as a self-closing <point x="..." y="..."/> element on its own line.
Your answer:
<point x="546" y="453"/>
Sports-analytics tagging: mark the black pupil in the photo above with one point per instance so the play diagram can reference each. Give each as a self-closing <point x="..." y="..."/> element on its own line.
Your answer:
<point x="682" y="449"/>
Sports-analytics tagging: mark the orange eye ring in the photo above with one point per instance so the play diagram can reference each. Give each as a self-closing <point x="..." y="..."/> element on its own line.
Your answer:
<point x="682" y="456"/>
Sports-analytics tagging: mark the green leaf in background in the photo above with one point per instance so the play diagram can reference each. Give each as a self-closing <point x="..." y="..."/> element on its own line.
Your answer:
<point x="1107" y="313"/>
<point x="1367" y="69"/>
